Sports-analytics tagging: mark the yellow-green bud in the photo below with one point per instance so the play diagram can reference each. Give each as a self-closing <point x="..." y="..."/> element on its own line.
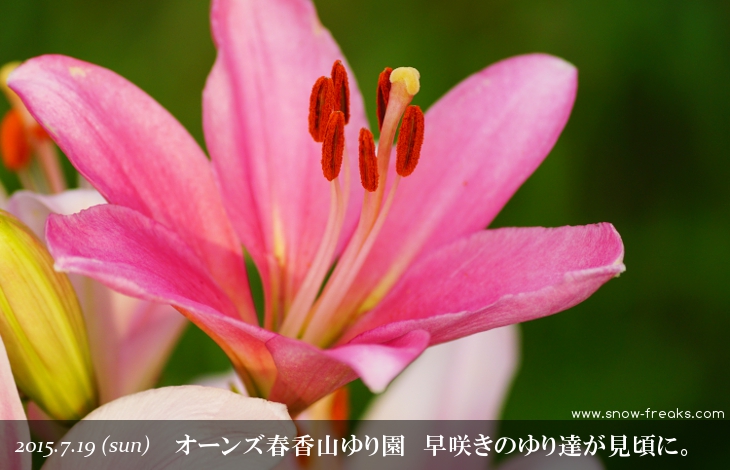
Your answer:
<point x="42" y="326"/>
<point x="14" y="99"/>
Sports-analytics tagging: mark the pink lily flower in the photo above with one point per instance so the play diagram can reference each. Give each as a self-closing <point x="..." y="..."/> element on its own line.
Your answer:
<point x="418" y="269"/>
<point x="130" y="339"/>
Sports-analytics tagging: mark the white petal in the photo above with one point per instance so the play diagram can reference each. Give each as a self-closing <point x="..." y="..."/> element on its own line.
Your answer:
<point x="189" y="402"/>
<point x="225" y="380"/>
<point x="33" y="209"/>
<point x="203" y="413"/>
<point x="466" y="379"/>
<point x="13" y="425"/>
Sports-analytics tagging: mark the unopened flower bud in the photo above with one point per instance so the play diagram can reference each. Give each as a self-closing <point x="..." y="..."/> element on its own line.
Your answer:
<point x="14" y="99"/>
<point x="42" y="326"/>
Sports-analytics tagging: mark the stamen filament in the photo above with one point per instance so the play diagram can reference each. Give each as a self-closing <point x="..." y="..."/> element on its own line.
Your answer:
<point x="408" y="153"/>
<point x="309" y="288"/>
<point x="48" y="158"/>
<point x="324" y="327"/>
<point x="27" y="181"/>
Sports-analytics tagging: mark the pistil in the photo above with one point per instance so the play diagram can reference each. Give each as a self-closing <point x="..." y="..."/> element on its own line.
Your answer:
<point x="404" y="86"/>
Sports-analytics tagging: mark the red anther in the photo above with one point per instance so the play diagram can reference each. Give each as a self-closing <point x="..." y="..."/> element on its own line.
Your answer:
<point x="383" y="94"/>
<point x="321" y="105"/>
<point x="15" y="146"/>
<point x="410" y="140"/>
<point x="368" y="162"/>
<point x="333" y="145"/>
<point x="342" y="89"/>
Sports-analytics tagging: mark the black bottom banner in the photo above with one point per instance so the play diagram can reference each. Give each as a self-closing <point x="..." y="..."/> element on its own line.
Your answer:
<point x="363" y="445"/>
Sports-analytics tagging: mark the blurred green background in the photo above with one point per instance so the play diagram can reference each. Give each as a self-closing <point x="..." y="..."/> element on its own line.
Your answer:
<point x="646" y="148"/>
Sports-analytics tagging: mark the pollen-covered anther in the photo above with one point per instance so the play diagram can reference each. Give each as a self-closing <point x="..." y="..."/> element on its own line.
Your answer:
<point x="410" y="141"/>
<point x="321" y="105"/>
<point x="333" y="145"/>
<point x="14" y="142"/>
<point x="368" y="162"/>
<point x="341" y="89"/>
<point x="383" y="94"/>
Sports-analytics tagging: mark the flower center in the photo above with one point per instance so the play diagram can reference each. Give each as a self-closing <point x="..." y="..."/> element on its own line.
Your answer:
<point x="320" y="319"/>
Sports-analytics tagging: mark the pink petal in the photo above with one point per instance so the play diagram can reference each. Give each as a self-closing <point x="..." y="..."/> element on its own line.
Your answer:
<point x="130" y="339"/>
<point x="296" y="373"/>
<point x="378" y="364"/>
<point x="465" y="379"/>
<point x="139" y="257"/>
<point x="137" y="155"/>
<point x="482" y="141"/>
<point x="301" y="373"/>
<point x="13" y="425"/>
<point x="256" y="101"/>
<point x="146" y="335"/>
<point x="135" y="256"/>
<point x="193" y="408"/>
<point x="495" y="278"/>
